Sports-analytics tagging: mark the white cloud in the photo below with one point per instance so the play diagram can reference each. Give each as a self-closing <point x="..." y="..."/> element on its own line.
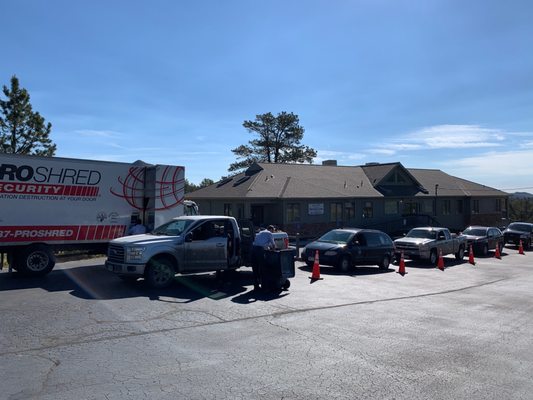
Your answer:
<point x="455" y="136"/>
<point x="342" y="157"/>
<point x="444" y="137"/>
<point x="98" y="133"/>
<point x="507" y="163"/>
<point x="509" y="170"/>
<point x="383" y="151"/>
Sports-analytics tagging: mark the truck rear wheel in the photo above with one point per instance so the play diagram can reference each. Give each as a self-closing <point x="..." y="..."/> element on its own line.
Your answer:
<point x="35" y="260"/>
<point x="433" y="258"/>
<point x="159" y="273"/>
<point x="460" y="253"/>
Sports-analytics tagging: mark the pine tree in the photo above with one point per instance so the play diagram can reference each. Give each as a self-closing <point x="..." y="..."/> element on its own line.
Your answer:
<point x="23" y="131"/>
<point x="278" y="141"/>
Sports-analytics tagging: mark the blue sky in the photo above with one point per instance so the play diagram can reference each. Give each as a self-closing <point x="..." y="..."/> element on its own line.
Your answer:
<point x="432" y="84"/>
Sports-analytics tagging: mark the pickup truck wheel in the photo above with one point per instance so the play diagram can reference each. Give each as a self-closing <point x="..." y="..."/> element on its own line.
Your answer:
<point x="527" y="244"/>
<point x="385" y="263"/>
<point x="460" y="253"/>
<point x="159" y="273"/>
<point x="433" y="258"/>
<point x="485" y="250"/>
<point x="345" y="264"/>
<point x="35" y="260"/>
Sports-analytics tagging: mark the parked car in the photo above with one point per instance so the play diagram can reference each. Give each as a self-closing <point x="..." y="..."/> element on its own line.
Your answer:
<point x="426" y="243"/>
<point x="519" y="231"/>
<point x="483" y="238"/>
<point x="349" y="247"/>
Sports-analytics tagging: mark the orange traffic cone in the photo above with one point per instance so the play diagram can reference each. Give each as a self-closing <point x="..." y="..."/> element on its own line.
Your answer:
<point x="521" y="248"/>
<point x="401" y="270"/>
<point x="316" y="269"/>
<point x="440" y="263"/>
<point x="497" y="253"/>
<point x="471" y="256"/>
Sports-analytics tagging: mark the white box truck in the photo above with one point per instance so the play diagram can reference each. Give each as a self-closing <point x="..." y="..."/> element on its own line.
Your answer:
<point x="50" y="204"/>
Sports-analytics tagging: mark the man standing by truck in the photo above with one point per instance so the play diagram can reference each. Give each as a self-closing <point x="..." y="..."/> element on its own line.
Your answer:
<point x="264" y="240"/>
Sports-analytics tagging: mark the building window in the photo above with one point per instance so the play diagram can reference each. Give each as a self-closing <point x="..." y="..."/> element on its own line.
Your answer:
<point x="446" y="207"/>
<point x="368" y="210"/>
<point x="396" y="178"/>
<point x="427" y="206"/>
<point x="391" y="207"/>
<point x="459" y="209"/>
<point x="410" y="208"/>
<point x="475" y="206"/>
<point x="227" y="209"/>
<point x="335" y="212"/>
<point x="349" y="209"/>
<point x="293" y="212"/>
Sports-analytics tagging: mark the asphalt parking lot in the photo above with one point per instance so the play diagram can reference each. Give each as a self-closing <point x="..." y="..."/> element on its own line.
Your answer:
<point x="81" y="332"/>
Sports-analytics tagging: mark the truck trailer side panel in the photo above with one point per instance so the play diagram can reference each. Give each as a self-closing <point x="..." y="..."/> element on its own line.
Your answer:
<point x="70" y="203"/>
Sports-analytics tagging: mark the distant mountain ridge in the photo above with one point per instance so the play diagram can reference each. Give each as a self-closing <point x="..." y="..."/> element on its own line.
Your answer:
<point x="521" y="195"/>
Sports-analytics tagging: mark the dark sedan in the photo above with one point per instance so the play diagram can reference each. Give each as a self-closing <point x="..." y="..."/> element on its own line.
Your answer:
<point x="346" y="248"/>
<point x="519" y="232"/>
<point x="483" y="239"/>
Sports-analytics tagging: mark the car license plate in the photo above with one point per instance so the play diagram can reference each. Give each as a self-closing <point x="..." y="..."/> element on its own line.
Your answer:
<point x="310" y="258"/>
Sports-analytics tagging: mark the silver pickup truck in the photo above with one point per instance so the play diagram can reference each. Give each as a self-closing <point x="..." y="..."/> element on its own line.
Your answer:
<point x="183" y="245"/>
<point x="426" y="243"/>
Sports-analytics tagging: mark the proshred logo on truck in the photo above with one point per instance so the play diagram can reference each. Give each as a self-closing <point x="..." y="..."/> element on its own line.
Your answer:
<point x="60" y="233"/>
<point x="25" y="179"/>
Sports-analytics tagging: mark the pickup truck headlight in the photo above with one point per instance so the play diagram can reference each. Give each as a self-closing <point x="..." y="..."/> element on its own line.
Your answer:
<point x="135" y="253"/>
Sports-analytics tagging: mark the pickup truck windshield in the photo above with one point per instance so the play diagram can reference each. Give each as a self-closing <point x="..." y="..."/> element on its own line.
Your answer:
<point x="339" y="237"/>
<point x="173" y="228"/>
<point x="422" y="234"/>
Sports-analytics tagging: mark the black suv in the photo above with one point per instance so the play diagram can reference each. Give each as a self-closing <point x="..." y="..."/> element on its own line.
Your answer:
<point x="346" y="248"/>
<point x="519" y="231"/>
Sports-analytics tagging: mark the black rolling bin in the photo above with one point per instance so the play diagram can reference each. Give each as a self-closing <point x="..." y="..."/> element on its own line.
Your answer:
<point x="277" y="269"/>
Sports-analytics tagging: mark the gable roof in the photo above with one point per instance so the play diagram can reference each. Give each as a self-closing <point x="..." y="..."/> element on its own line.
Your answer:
<point x="449" y="185"/>
<point x="309" y="181"/>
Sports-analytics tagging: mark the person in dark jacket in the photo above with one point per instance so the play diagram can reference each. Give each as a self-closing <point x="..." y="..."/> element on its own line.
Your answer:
<point x="264" y="240"/>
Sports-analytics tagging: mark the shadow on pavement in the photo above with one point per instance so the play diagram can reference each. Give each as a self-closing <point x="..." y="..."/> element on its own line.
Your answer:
<point x="94" y="282"/>
<point x="357" y="271"/>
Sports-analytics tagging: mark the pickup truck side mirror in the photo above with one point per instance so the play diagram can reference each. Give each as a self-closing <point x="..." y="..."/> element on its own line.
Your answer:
<point x="188" y="237"/>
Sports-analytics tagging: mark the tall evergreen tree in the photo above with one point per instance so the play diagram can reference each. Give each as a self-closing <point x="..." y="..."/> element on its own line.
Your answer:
<point x="23" y="131"/>
<point x="278" y="141"/>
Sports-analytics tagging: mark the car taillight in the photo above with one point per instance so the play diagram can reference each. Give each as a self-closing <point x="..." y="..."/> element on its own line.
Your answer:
<point x="286" y="242"/>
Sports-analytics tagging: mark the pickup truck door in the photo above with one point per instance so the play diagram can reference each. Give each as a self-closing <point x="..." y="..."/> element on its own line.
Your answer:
<point x="205" y="247"/>
<point x="445" y="242"/>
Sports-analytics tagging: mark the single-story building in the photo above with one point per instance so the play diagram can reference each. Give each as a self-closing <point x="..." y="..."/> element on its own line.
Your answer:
<point x="310" y="199"/>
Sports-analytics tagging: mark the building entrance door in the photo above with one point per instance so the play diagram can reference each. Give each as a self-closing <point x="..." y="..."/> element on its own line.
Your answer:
<point x="258" y="215"/>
